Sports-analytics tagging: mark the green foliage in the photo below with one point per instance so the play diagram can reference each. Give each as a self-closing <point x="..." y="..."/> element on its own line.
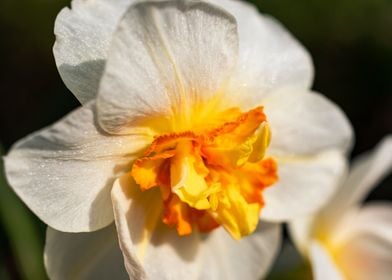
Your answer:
<point x="341" y="21"/>
<point x="22" y="232"/>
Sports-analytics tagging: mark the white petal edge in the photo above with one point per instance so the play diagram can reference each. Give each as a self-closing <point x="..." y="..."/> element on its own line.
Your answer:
<point x="301" y="232"/>
<point x="304" y="185"/>
<point x="64" y="173"/>
<point x="83" y="35"/>
<point x="269" y="56"/>
<point x="323" y="266"/>
<point x="367" y="171"/>
<point x="166" y="57"/>
<point x="304" y="123"/>
<point x="94" y="255"/>
<point x="165" y="255"/>
<point x="366" y="249"/>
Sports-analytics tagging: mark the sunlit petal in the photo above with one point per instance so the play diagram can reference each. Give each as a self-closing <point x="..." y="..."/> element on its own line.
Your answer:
<point x="304" y="123"/>
<point x="168" y="66"/>
<point x="304" y="186"/>
<point x="83" y="35"/>
<point x="270" y="58"/>
<point x="64" y="173"/>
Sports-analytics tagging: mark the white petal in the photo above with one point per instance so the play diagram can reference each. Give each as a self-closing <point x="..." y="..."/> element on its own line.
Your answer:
<point x="323" y="265"/>
<point x="165" y="255"/>
<point x="269" y="57"/>
<point x="367" y="171"/>
<point x="249" y="258"/>
<point x="304" y="185"/>
<point x="137" y="216"/>
<point x="305" y="123"/>
<point x="94" y="255"/>
<point x="64" y="173"/>
<point x="83" y="36"/>
<point x="165" y="57"/>
<point x="301" y="232"/>
<point x="366" y="252"/>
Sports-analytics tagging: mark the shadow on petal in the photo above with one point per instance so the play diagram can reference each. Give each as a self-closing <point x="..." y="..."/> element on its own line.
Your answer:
<point x="146" y="232"/>
<point x="83" y="79"/>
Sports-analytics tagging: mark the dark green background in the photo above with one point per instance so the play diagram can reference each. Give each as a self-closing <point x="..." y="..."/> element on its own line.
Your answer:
<point x="351" y="45"/>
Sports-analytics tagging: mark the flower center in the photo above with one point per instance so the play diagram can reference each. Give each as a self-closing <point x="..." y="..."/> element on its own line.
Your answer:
<point x="211" y="177"/>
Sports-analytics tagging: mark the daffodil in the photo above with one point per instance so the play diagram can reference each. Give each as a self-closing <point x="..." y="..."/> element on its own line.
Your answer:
<point x="197" y="122"/>
<point x="345" y="240"/>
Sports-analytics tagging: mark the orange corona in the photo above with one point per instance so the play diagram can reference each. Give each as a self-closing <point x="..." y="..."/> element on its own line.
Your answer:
<point x="213" y="177"/>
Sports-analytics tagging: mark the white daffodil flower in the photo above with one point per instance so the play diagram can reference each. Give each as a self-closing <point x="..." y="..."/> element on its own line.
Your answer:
<point x="346" y="240"/>
<point x="173" y="142"/>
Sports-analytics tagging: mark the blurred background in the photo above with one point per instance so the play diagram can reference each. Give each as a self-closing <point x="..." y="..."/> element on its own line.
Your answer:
<point x="350" y="42"/>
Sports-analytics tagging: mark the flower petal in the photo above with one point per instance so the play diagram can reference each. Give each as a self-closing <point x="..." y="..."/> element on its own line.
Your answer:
<point x="304" y="185"/>
<point x="138" y="216"/>
<point x="269" y="56"/>
<point x="309" y="137"/>
<point x="306" y="123"/>
<point x="64" y="173"/>
<point x="165" y="57"/>
<point x="367" y="171"/>
<point x="323" y="265"/>
<point x="301" y="232"/>
<point x="94" y="255"/>
<point x="366" y="252"/>
<point x="83" y="36"/>
<point x="248" y="258"/>
<point x="146" y="242"/>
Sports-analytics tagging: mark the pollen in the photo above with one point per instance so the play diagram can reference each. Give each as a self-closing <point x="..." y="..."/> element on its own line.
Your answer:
<point x="213" y="177"/>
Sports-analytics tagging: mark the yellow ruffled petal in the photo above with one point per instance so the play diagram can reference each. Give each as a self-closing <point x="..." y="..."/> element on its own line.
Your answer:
<point x="234" y="142"/>
<point x="178" y="214"/>
<point x="147" y="170"/>
<point x="212" y="177"/>
<point x="263" y="138"/>
<point x="237" y="216"/>
<point x="187" y="183"/>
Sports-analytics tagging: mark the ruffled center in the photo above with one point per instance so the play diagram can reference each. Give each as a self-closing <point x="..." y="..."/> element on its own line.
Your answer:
<point x="212" y="177"/>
